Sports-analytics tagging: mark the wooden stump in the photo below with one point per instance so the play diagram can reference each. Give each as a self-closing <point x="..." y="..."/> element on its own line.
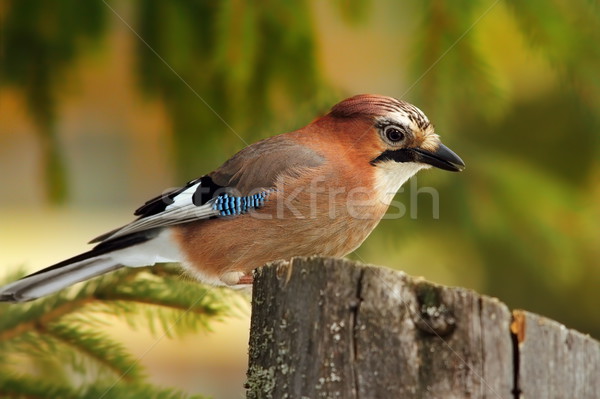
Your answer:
<point x="331" y="328"/>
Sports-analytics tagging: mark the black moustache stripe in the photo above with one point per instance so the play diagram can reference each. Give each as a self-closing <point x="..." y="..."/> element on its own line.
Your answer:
<point x="401" y="155"/>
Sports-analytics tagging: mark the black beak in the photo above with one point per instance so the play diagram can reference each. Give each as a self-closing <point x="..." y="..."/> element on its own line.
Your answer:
<point x="443" y="158"/>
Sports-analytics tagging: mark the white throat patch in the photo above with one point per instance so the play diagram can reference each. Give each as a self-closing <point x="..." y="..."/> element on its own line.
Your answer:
<point x="390" y="175"/>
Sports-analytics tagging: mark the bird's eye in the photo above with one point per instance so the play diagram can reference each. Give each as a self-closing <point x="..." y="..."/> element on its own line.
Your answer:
<point x="394" y="134"/>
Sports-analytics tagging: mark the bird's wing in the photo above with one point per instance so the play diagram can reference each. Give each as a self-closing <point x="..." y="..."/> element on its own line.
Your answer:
<point x="262" y="163"/>
<point x="240" y="184"/>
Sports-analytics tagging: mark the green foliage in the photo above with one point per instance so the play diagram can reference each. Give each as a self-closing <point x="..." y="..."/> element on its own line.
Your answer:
<point x="227" y="68"/>
<point x="446" y="47"/>
<point x="48" y="344"/>
<point x="354" y="11"/>
<point x="40" y="40"/>
<point x="217" y="69"/>
<point x="566" y="33"/>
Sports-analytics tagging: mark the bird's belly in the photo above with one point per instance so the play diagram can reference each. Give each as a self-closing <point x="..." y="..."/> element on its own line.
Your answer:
<point x="215" y="247"/>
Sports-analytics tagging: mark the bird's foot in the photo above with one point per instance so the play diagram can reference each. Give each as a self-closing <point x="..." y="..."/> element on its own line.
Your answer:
<point x="246" y="279"/>
<point x="237" y="278"/>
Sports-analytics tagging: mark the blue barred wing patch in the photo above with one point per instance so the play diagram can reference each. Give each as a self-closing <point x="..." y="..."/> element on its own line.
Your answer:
<point x="229" y="205"/>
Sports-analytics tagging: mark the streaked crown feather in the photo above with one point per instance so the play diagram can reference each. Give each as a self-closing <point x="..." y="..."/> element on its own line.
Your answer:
<point x="372" y="105"/>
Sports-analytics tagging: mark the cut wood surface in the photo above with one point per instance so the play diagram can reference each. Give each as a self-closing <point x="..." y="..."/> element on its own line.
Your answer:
<point x="332" y="328"/>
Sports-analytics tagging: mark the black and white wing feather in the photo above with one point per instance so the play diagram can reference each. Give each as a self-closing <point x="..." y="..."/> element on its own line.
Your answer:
<point x="195" y="201"/>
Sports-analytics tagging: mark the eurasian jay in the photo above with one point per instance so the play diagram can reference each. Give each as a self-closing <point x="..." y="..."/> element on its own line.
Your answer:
<point x="318" y="190"/>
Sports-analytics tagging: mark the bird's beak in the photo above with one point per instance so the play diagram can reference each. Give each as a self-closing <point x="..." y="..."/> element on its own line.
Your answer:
<point x="443" y="158"/>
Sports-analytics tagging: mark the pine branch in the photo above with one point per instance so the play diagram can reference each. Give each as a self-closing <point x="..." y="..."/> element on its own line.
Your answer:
<point x="133" y="391"/>
<point x="116" y="293"/>
<point x="66" y="329"/>
<point x="22" y="387"/>
<point x="32" y="320"/>
<point x="98" y="347"/>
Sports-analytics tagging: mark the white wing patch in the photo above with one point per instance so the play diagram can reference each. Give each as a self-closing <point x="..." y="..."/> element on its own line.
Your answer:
<point x="184" y="198"/>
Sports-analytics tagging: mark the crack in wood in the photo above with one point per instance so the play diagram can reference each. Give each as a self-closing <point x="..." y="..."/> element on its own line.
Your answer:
<point x="516" y="391"/>
<point x="354" y="312"/>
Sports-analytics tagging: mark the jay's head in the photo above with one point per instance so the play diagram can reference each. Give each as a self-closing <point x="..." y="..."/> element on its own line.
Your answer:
<point x="391" y="134"/>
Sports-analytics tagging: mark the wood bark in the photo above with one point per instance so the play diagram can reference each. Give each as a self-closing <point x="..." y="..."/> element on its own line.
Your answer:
<point x="331" y="328"/>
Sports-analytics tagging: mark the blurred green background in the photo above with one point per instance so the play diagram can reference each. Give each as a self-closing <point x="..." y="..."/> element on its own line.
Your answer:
<point x="105" y="104"/>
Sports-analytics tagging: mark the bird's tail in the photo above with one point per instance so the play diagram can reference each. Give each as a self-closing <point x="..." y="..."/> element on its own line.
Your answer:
<point x="140" y="249"/>
<point x="57" y="277"/>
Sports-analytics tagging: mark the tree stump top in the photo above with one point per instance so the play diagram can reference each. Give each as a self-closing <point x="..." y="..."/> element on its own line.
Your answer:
<point x="332" y="328"/>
